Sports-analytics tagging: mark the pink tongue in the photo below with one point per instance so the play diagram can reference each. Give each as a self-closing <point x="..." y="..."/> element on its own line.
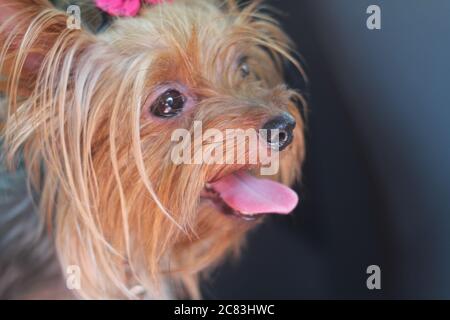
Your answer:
<point x="250" y="195"/>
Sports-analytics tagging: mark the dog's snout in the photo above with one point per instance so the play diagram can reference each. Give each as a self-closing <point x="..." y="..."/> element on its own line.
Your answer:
<point x="284" y="125"/>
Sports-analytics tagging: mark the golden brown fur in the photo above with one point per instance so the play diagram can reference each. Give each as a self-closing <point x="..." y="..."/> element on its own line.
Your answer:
<point x="115" y="203"/>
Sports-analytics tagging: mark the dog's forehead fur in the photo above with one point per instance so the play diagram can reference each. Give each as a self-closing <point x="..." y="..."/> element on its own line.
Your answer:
<point x="171" y="25"/>
<point x="202" y="39"/>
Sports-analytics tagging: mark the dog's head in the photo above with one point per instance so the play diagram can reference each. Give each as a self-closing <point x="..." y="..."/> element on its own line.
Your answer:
<point x="153" y="136"/>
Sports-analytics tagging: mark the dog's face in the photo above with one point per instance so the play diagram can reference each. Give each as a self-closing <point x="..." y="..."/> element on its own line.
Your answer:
<point x="125" y="210"/>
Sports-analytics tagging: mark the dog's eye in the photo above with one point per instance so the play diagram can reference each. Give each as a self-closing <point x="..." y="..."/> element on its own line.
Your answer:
<point x="244" y="68"/>
<point x="169" y="104"/>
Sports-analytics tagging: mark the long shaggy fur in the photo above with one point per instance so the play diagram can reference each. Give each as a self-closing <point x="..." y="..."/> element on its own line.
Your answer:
<point x="114" y="202"/>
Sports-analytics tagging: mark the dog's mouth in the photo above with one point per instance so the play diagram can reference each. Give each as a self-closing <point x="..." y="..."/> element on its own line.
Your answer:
<point x="242" y="195"/>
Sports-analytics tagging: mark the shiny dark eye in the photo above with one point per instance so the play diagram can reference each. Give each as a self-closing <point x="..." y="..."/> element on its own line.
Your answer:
<point x="244" y="68"/>
<point x="169" y="104"/>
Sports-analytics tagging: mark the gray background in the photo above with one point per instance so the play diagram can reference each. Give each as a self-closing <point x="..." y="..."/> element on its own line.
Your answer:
<point x="376" y="187"/>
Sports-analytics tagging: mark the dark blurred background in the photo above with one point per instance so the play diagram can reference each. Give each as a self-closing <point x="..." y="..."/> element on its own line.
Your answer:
<point x="376" y="184"/>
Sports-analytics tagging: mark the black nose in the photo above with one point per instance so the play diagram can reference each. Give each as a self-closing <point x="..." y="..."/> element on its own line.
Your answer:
<point x="285" y="125"/>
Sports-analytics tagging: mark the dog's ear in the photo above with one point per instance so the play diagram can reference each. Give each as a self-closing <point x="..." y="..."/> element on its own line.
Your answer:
<point x="29" y="30"/>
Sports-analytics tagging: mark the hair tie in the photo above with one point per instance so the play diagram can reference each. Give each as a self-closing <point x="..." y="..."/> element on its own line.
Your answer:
<point x="123" y="8"/>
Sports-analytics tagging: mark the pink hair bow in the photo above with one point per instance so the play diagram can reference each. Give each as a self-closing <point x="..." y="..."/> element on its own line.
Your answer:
<point x="123" y="8"/>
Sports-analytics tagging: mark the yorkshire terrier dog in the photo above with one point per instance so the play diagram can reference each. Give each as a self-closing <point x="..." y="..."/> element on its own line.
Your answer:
<point x="87" y="119"/>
